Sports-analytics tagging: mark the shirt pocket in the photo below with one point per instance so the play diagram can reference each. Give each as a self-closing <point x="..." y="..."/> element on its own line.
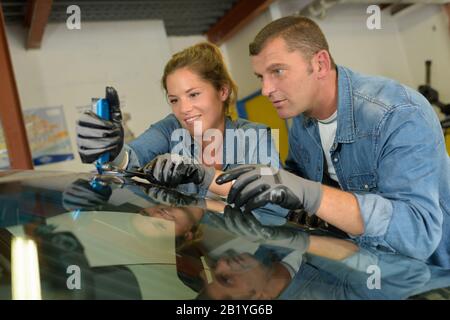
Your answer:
<point x="362" y="181"/>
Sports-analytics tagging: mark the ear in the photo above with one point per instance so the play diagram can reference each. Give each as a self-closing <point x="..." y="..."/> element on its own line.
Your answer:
<point x="323" y="63"/>
<point x="224" y="93"/>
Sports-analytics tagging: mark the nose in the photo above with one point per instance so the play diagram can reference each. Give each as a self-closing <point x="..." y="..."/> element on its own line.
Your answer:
<point x="221" y="266"/>
<point x="185" y="106"/>
<point x="267" y="87"/>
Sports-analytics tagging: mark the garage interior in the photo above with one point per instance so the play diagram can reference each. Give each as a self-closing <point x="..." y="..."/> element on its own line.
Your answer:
<point x="57" y="57"/>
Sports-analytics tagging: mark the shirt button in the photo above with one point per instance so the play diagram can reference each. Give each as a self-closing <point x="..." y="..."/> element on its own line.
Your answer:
<point x="366" y="186"/>
<point x="335" y="159"/>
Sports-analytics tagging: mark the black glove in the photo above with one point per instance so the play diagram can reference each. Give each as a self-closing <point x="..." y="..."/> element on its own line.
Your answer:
<point x="248" y="227"/>
<point x="257" y="185"/>
<point x="173" y="198"/>
<point x="96" y="136"/>
<point x="81" y="195"/>
<point x="170" y="170"/>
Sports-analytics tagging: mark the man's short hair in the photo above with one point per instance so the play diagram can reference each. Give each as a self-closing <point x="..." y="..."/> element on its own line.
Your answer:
<point x="299" y="33"/>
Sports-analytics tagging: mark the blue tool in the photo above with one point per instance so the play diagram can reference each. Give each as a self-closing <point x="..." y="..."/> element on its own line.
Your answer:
<point x="98" y="186"/>
<point x="103" y="111"/>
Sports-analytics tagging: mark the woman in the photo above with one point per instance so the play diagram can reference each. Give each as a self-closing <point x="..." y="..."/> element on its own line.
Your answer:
<point x="198" y="140"/>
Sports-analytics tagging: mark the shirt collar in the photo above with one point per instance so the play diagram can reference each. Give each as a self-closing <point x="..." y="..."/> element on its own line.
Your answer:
<point x="345" y="132"/>
<point x="346" y="129"/>
<point x="229" y="124"/>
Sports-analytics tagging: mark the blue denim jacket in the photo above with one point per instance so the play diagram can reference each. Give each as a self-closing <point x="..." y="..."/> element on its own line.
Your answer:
<point x="248" y="148"/>
<point x="389" y="151"/>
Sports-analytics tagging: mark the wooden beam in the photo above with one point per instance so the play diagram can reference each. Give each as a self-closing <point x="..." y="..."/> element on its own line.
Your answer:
<point x="385" y="5"/>
<point x="36" y="17"/>
<point x="235" y="19"/>
<point x="447" y="10"/>
<point x="10" y="112"/>
<point x="29" y="8"/>
<point x="396" y="8"/>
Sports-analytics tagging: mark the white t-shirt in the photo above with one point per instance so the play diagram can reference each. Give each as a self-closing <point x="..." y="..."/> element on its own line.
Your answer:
<point x="327" y="130"/>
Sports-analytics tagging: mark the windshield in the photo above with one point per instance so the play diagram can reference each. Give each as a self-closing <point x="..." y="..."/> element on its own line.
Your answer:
<point x="64" y="237"/>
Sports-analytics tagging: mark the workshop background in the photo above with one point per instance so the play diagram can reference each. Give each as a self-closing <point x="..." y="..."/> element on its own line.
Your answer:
<point x="126" y="44"/>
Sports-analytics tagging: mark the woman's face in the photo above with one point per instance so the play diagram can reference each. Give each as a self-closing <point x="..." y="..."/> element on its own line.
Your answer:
<point x="195" y="101"/>
<point x="182" y="217"/>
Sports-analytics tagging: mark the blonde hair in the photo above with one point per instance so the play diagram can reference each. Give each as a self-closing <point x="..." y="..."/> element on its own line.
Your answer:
<point x="206" y="60"/>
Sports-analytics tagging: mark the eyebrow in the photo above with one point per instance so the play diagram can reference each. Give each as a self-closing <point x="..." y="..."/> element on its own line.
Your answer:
<point x="192" y="89"/>
<point x="277" y="65"/>
<point x="271" y="67"/>
<point x="187" y="91"/>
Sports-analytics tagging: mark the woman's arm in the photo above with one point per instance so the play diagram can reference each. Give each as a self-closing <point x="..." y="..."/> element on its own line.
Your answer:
<point x="153" y="142"/>
<point x="221" y="190"/>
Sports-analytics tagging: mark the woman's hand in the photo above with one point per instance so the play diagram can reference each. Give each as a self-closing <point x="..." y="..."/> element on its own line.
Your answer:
<point x="171" y="170"/>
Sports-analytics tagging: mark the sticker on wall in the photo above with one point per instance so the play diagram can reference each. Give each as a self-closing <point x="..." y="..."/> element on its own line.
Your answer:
<point x="47" y="135"/>
<point x="4" y="159"/>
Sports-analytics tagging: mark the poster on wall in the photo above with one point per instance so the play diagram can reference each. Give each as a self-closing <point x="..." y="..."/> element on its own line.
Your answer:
<point x="4" y="159"/>
<point x="47" y="135"/>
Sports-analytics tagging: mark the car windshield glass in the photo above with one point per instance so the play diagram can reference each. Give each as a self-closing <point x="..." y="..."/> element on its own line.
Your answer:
<point x="84" y="236"/>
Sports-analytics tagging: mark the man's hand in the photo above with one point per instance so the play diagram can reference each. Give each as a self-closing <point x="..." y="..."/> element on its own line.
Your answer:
<point x="96" y="136"/>
<point x="170" y="170"/>
<point x="80" y="195"/>
<point x="257" y="185"/>
<point x="247" y="226"/>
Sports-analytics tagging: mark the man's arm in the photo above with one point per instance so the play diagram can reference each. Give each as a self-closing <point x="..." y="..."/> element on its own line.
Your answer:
<point x="331" y="248"/>
<point x="404" y="211"/>
<point x="221" y="190"/>
<point x="341" y="209"/>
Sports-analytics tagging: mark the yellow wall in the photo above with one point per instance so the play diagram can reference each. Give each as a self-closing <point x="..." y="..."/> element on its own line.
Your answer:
<point x="447" y="140"/>
<point x="260" y="109"/>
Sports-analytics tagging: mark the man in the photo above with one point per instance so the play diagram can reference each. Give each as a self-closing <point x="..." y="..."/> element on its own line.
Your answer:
<point x="368" y="153"/>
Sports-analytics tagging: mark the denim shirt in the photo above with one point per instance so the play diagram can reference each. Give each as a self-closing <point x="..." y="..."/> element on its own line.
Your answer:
<point x="389" y="151"/>
<point x="251" y="143"/>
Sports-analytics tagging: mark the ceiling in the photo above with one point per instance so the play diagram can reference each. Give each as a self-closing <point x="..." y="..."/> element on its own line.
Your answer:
<point x="181" y="17"/>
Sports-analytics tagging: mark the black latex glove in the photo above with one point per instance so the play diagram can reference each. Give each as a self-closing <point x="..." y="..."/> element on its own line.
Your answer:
<point x="173" y="198"/>
<point x="81" y="195"/>
<point x="171" y="170"/>
<point x="257" y="185"/>
<point x="247" y="226"/>
<point x="96" y="136"/>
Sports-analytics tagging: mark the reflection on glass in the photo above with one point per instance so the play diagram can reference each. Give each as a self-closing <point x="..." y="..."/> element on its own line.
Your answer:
<point x="135" y="242"/>
<point x="26" y="283"/>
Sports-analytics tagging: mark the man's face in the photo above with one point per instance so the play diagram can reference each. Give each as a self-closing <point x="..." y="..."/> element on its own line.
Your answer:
<point x="287" y="79"/>
<point x="238" y="276"/>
